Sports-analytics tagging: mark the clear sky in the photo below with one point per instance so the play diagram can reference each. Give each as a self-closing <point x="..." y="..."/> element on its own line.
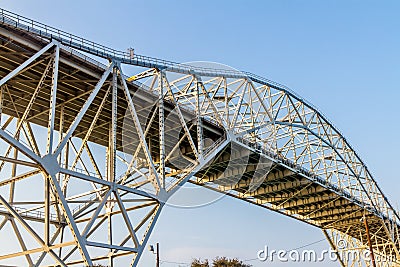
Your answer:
<point x="343" y="56"/>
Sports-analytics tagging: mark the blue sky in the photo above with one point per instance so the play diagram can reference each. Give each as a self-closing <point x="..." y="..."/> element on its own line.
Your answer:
<point x="343" y="56"/>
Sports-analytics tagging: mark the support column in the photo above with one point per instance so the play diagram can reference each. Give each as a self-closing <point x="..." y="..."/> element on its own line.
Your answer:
<point x="1" y="101"/>
<point x="14" y="170"/>
<point x="53" y="98"/>
<point x="112" y="145"/>
<point x="111" y="154"/>
<point x="161" y="129"/>
<point x="198" y="120"/>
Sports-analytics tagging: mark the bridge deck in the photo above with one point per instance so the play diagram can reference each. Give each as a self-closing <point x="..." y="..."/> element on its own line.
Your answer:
<point x="285" y="187"/>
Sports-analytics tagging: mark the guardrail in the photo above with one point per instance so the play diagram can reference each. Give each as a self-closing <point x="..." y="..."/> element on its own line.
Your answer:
<point x="70" y="40"/>
<point x="30" y="213"/>
<point x="298" y="168"/>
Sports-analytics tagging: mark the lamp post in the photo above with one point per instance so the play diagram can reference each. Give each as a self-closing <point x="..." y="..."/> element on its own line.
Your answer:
<point x="157" y="252"/>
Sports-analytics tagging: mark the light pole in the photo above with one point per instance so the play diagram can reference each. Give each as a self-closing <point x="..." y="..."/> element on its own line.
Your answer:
<point x="157" y="252"/>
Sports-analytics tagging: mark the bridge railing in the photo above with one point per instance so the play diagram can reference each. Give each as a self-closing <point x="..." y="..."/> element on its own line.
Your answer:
<point x="258" y="148"/>
<point x="74" y="41"/>
<point x="30" y="213"/>
<point x="47" y="32"/>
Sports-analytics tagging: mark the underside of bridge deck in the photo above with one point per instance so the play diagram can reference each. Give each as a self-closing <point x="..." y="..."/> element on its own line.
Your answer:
<point x="88" y="156"/>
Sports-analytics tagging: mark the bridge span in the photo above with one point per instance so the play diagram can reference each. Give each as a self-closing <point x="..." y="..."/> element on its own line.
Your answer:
<point x="89" y="156"/>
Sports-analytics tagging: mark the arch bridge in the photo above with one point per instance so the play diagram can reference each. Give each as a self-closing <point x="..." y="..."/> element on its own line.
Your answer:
<point x="89" y="156"/>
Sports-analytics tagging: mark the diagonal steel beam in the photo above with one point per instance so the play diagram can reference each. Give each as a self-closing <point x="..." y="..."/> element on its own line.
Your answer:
<point x="15" y="143"/>
<point x="96" y="214"/>
<point x="30" y="230"/>
<point x="153" y="221"/>
<point x="25" y="64"/>
<point x="70" y="220"/>
<point x="181" y="118"/>
<point x="139" y="130"/>
<point x="83" y="110"/>
<point x="126" y="219"/>
<point x="21" y="241"/>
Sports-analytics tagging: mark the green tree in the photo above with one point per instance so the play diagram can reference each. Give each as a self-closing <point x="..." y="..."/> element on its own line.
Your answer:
<point x="219" y="262"/>
<point x="200" y="263"/>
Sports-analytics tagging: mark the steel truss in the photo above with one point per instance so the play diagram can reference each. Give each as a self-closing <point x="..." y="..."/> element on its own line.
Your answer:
<point x="117" y="148"/>
<point x="285" y="130"/>
<point x="67" y="217"/>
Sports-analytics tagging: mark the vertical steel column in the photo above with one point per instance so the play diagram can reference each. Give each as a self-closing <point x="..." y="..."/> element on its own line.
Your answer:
<point x="61" y="178"/>
<point x="47" y="210"/>
<point x="14" y="170"/>
<point x="112" y="152"/>
<point x="63" y="162"/>
<point x="198" y="118"/>
<point x="61" y="132"/>
<point x="226" y="98"/>
<point x="113" y="128"/>
<point x="110" y="236"/>
<point x="53" y="98"/>
<point x="161" y="129"/>
<point x="1" y="101"/>
<point x="46" y="178"/>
